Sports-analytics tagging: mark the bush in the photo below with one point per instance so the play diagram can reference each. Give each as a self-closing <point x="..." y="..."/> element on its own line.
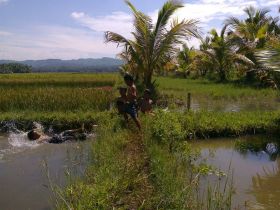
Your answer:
<point x="167" y="128"/>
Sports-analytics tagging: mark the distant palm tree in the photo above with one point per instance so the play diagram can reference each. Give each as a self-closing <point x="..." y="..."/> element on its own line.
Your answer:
<point x="185" y="59"/>
<point x="153" y="45"/>
<point x="254" y="29"/>
<point x="252" y="36"/>
<point x="222" y="53"/>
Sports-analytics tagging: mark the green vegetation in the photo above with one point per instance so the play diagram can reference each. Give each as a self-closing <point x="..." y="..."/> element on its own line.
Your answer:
<point x="186" y="125"/>
<point x="222" y="55"/>
<point x="80" y="93"/>
<point x="58" y="99"/>
<point x="78" y="80"/>
<point x="56" y="92"/>
<point x="154" y="45"/>
<point x="243" y="51"/>
<point x="148" y="171"/>
<point x="210" y="89"/>
<point x="14" y="68"/>
<point x="156" y="169"/>
<point x="131" y="171"/>
<point x="238" y="52"/>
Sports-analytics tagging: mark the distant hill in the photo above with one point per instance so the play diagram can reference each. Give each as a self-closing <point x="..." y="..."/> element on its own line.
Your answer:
<point x="79" y="65"/>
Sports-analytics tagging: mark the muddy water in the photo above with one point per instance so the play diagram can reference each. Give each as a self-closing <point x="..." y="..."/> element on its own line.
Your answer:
<point x="23" y="165"/>
<point x="234" y="106"/>
<point x="256" y="170"/>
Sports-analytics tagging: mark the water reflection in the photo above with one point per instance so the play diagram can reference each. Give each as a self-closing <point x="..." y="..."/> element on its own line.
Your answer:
<point x="256" y="168"/>
<point x="266" y="188"/>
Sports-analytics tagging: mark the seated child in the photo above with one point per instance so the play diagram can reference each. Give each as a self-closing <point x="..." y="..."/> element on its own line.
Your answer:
<point x="121" y="101"/>
<point x="146" y="102"/>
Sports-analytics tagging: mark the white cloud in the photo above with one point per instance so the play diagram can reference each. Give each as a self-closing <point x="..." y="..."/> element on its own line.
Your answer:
<point x="87" y="39"/>
<point x="55" y="42"/>
<point x="117" y="21"/>
<point x="206" y="11"/>
<point x="270" y="3"/>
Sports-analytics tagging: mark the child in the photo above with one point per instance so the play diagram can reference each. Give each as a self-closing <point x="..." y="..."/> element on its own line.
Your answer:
<point x="131" y="108"/>
<point x="146" y="102"/>
<point x="68" y="135"/>
<point x="121" y="102"/>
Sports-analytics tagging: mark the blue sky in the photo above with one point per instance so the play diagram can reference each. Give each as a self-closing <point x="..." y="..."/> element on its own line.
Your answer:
<point x="71" y="29"/>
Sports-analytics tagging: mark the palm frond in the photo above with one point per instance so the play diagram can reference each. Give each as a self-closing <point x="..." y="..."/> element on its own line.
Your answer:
<point x="232" y="22"/>
<point x="116" y="38"/>
<point x="243" y="59"/>
<point x="165" y="13"/>
<point x="131" y="6"/>
<point x="174" y="36"/>
<point x="250" y="11"/>
<point x="223" y="30"/>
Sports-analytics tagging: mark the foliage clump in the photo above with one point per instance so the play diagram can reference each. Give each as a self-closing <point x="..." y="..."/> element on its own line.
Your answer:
<point x="14" y="68"/>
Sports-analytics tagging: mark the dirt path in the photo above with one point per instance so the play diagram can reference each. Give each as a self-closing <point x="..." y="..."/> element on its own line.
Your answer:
<point x="139" y="189"/>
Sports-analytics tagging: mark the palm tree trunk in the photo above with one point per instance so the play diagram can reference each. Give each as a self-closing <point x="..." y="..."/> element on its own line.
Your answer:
<point x="148" y="79"/>
<point x="222" y="75"/>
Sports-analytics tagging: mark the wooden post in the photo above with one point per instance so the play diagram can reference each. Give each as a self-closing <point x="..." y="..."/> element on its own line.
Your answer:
<point x="189" y="102"/>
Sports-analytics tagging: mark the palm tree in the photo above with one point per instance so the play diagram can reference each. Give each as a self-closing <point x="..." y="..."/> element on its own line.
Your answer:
<point x="252" y="36"/>
<point x="153" y="45"/>
<point x="185" y="59"/>
<point x="222" y="53"/>
<point x="254" y="30"/>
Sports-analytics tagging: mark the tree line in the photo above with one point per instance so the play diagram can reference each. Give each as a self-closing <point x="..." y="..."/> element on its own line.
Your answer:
<point x="245" y="49"/>
<point x="14" y="68"/>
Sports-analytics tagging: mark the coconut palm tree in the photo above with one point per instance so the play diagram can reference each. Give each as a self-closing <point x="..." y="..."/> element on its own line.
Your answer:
<point x="252" y="36"/>
<point x="223" y="55"/>
<point x="185" y="58"/>
<point x="255" y="28"/>
<point x="153" y="45"/>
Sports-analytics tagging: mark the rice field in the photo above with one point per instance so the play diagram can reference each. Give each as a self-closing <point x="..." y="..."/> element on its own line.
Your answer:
<point x="73" y="92"/>
<point x="178" y="87"/>
<point x="34" y="80"/>
<point x="57" y="92"/>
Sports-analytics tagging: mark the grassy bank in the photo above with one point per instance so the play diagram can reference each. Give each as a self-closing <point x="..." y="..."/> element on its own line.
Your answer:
<point x="134" y="171"/>
<point x="215" y="124"/>
<point x="188" y="125"/>
<point x="59" y="121"/>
